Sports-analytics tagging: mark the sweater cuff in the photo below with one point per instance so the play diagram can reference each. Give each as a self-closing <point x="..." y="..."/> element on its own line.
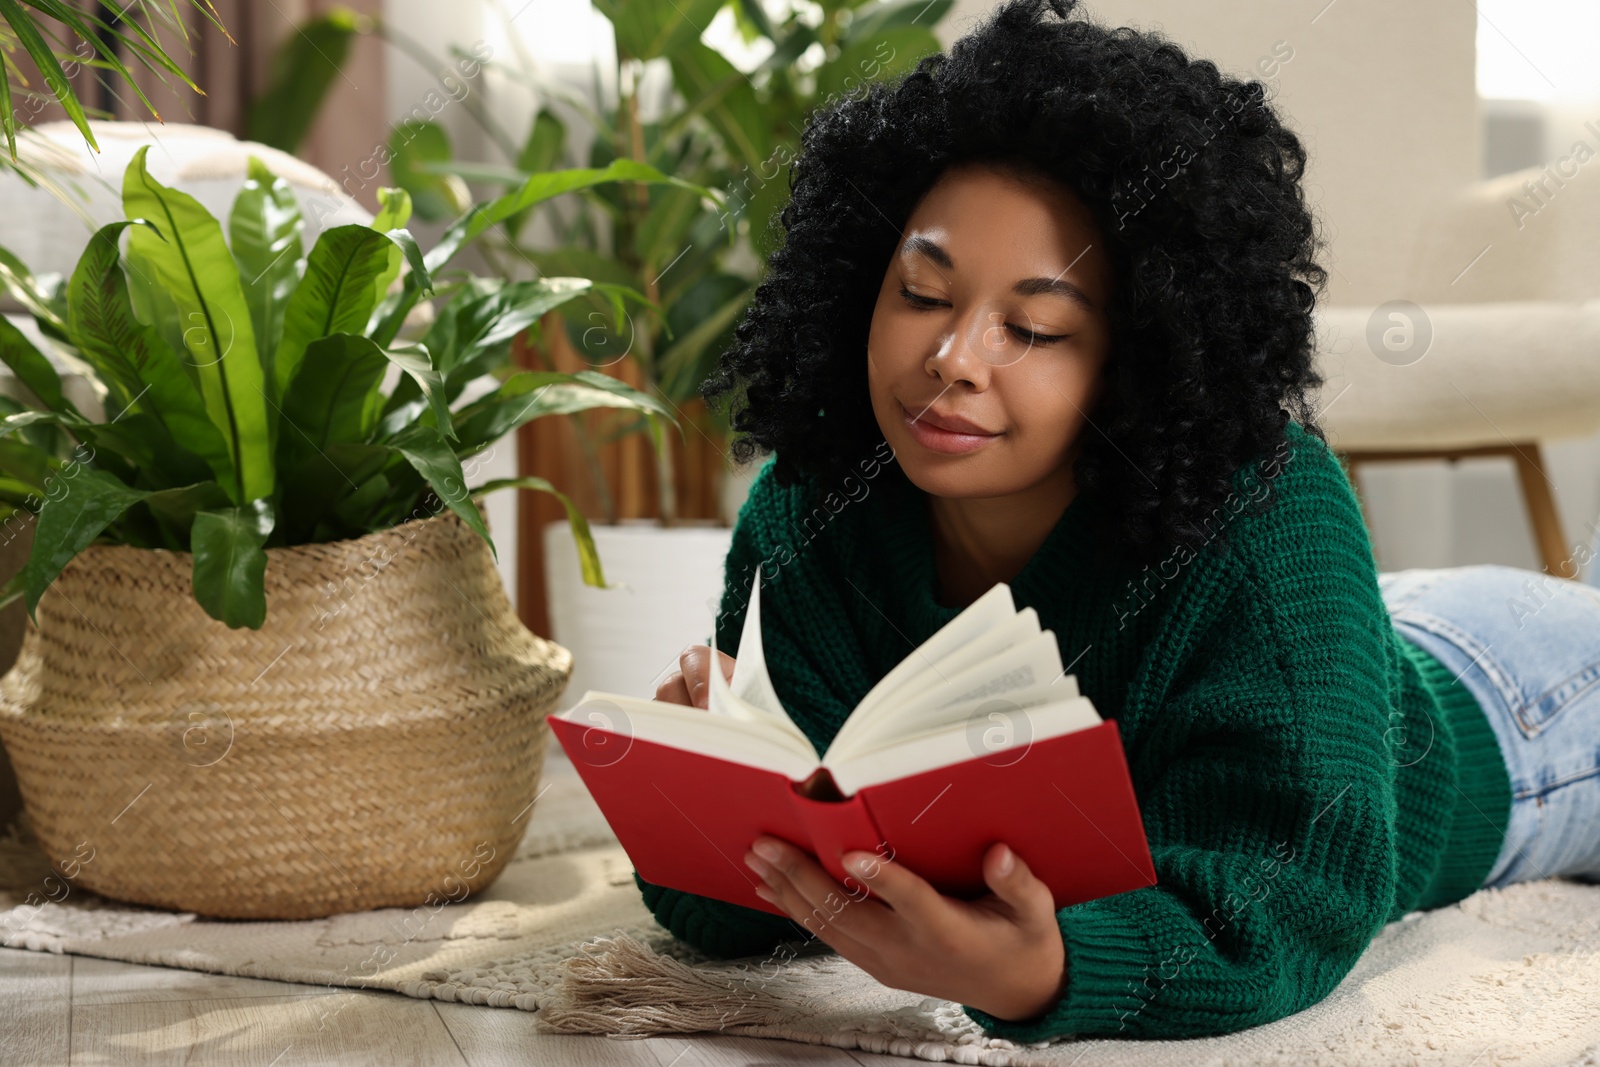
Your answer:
<point x="1104" y="946"/>
<point x="1482" y="797"/>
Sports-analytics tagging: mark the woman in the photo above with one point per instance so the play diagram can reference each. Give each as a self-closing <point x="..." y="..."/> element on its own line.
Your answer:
<point x="1043" y="315"/>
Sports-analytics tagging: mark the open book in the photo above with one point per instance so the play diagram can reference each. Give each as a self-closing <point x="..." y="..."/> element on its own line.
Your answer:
<point x="977" y="736"/>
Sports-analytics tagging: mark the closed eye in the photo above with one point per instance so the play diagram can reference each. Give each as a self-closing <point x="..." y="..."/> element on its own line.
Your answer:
<point x="928" y="303"/>
<point x="916" y="301"/>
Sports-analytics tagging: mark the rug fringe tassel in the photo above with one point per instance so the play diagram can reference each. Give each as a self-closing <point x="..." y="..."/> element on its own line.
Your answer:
<point x="621" y="987"/>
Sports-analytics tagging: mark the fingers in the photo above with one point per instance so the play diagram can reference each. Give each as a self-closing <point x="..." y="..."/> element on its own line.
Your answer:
<point x="695" y="669"/>
<point x="909" y="894"/>
<point x="690" y="683"/>
<point x="841" y="915"/>
<point x="673" y="690"/>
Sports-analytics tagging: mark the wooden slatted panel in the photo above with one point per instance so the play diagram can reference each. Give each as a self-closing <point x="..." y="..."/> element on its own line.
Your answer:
<point x="549" y="448"/>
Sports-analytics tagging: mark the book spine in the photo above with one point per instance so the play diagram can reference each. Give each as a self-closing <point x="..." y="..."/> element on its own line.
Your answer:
<point x="837" y="827"/>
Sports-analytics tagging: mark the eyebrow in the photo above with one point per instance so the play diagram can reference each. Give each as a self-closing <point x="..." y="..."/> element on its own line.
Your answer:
<point x="931" y="249"/>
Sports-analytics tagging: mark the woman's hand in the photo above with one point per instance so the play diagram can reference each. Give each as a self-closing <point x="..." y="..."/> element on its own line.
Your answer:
<point x="691" y="682"/>
<point x="1002" y="953"/>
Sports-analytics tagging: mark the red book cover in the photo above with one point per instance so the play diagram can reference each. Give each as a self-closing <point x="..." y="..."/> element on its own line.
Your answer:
<point x="1065" y="804"/>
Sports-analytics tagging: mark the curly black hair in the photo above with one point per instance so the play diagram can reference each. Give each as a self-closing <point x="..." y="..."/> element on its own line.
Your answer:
<point x="1195" y="184"/>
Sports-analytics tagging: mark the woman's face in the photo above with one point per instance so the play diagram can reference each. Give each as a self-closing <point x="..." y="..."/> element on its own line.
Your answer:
<point x="989" y="334"/>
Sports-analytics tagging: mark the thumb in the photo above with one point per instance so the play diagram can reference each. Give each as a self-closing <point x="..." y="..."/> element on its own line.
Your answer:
<point x="1012" y="881"/>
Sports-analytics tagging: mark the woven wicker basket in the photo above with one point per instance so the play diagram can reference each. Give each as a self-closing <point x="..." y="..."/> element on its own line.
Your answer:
<point x="378" y="742"/>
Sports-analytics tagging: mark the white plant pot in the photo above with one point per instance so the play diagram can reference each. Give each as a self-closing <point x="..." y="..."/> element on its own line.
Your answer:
<point x="666" y="585"/>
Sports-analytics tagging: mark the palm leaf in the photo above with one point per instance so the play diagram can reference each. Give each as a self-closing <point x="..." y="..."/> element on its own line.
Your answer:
<point x="439" y="466"/>
<point x="25" y="288"/>
<point x="178" y="507"/>
<point x="302" y="73"/>
<point x="336" y="476"/>
<point x="333" y="400"/>
<point x="412" y="145"/>
<point x="724" y="94"/>
<point x="473" y="331"/>
<point x="27" y="34"/>
<point x="32" y="368"/>
<point x="529" y="395"/>
<point x="541" y="187"/>
<point x="394" y="212"/>
<point x="417" y="365"/>
<point x="105" y="38"/>
<point x="68" y="524"/>
<point x="394" y="209"/>
<point x="646" y="29"/>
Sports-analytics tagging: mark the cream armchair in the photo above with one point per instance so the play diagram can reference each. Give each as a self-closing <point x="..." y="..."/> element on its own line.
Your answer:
<point x="1493" y="348"/>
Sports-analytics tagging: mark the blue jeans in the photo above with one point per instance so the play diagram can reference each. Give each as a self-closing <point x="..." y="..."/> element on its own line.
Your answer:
<point x="1527" y="645"/>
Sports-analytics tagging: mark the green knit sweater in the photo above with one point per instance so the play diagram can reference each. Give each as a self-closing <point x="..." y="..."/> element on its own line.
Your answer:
<point x="1305" y="774"/>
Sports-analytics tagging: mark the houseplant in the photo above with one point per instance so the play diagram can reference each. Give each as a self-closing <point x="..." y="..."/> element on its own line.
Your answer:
<point x="718" y="126"/>
<point x="205" y="459"/>
<point x="250" y="452"/>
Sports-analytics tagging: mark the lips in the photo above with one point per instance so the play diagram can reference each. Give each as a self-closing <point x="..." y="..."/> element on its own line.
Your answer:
<point x="951" y="422"/>
<point x="946" y="433"/>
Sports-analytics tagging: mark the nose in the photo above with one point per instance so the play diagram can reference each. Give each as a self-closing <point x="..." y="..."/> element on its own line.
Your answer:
<point x="970" y="351"/>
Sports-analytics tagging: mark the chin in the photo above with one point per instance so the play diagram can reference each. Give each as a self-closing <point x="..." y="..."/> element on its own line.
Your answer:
<point x="972" y="475"/>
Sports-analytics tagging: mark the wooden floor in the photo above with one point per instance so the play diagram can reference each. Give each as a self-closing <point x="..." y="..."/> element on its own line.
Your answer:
<point x="57" y="1010"/>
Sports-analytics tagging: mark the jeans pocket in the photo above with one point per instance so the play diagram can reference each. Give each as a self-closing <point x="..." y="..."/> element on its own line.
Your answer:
<point x="1530" y="639"/>
<point x="1563" y="694"/>
<point x="1470" y="654"/>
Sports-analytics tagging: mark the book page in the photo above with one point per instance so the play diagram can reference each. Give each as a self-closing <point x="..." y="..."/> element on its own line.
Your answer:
<point x="750" y="696"/>
<point x="954" y="744"/>
<point x="1009" y="634"/>
<point x="1020" y="676"/>
<point x="755" y="743"/>
<point x="750" y="681"/>
<point x="990" y="610"/>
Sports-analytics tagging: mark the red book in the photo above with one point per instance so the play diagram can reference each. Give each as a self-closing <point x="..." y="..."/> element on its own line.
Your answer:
<point x="976" y="737"/>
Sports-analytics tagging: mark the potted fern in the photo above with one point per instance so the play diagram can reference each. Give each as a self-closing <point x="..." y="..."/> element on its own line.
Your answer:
<point x="376" y="737"/>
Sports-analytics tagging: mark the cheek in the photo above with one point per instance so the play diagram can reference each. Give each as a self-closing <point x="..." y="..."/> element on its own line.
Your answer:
<point x="1046" y="401"/>
<point x="896" y="354"/>
<point x="877" y="338"/>
<point x="882" y="373"/>
<point x="893" y="340"/>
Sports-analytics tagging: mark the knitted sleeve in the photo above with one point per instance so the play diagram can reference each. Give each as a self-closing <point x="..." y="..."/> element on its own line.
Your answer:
<point x="716" y="927"/>
<point x="1265" y="786"/>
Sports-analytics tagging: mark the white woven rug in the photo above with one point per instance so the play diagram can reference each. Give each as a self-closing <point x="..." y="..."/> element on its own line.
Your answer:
<point x="1505" y="976"/>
